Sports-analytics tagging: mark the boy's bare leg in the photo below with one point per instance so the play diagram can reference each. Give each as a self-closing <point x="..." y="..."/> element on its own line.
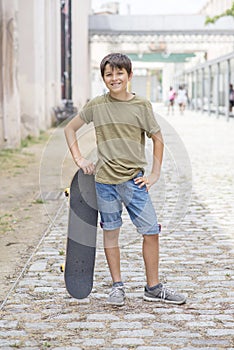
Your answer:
<point x="111" y="248"/>
<point x="151" y="258"/>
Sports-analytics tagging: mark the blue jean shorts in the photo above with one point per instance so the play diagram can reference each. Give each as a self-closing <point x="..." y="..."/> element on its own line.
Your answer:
<point x="111" y="198"/>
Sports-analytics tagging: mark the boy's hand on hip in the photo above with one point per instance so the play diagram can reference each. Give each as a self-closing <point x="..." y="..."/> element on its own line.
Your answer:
<point x="87" y="166"/>
<point x="147" y="181"/>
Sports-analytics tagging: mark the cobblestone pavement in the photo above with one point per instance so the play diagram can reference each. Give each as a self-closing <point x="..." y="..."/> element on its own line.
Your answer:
<point x="196" y="259"/>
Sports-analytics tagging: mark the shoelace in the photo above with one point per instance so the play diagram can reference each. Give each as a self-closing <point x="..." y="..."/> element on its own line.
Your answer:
<point x="166" y="291"/>
<point x="117" y="291"/>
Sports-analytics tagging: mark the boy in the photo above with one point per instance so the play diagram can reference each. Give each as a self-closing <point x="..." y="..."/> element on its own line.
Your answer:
<point x="121" y="120"/>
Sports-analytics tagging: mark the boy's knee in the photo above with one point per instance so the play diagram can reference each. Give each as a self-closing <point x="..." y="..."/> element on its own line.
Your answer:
<point x="111" y="238"/>
<point x="151" y="238"/>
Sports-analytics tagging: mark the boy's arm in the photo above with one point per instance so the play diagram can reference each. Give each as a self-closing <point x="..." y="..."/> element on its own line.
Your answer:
<point x="70" y="134"/>
<point x="158" y="147"/>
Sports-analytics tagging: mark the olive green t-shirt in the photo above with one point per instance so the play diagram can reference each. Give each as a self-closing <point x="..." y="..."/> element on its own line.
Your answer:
<point x="120" y="128"/>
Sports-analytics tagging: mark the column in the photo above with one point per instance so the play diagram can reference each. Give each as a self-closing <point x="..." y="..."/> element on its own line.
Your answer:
<point x="195" y="89"/>
<point x="52" y="59"/>
<point x="9" y="93"/>
<point x="217" y="88"/>
<point x="32" y="65"/>
<point x="81" y="71"/>
<point x="167" y="79"/>
<point x="227" y="83"/>
<point x="209" y="89"/>
<point x="202" y="88"/>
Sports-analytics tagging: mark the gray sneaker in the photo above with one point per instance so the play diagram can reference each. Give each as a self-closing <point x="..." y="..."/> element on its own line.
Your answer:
<point x="116" y="296"/>
<point x="161" y="293"/>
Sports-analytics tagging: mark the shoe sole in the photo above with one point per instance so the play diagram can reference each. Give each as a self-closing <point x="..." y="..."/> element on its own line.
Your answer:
<point x="115" y="304"/>
<point x="164" y="301"/>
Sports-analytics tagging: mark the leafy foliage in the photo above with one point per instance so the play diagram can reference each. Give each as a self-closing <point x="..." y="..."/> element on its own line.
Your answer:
<point x="228" y="12"/>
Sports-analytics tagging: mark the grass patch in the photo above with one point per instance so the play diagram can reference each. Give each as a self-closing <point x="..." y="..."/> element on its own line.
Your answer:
<point x="31" y="140"/>
<point x="13" y="161"/>
<point x="39" y="201"/>
<point x="6" y="223"/>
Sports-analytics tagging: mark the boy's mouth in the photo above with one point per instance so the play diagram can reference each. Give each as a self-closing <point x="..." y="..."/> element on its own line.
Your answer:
<point x="115" y="84"/>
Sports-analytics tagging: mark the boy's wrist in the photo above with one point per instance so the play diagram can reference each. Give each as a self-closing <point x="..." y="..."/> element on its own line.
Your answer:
<point x="77" y="159"/>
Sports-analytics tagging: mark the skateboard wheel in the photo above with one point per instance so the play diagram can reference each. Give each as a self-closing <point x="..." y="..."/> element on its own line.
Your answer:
<point x="62" y="267"/>
<point x="67" y="191"/>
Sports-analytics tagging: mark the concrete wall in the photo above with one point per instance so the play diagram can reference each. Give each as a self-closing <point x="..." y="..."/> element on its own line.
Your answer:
<point x="9" y="93"/>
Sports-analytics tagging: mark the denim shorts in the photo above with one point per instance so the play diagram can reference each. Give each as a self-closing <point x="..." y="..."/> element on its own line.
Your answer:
<point x="111" y="198"/>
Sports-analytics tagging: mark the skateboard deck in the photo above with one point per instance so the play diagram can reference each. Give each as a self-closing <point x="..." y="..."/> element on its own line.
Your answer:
<point x="81" y="239"/>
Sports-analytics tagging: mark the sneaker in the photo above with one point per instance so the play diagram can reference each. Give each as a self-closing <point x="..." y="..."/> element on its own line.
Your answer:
<point x="116" y="296"/>
<point x="161" y="293"/>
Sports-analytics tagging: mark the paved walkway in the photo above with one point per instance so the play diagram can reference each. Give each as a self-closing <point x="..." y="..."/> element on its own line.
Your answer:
<point x="196" y="213"/>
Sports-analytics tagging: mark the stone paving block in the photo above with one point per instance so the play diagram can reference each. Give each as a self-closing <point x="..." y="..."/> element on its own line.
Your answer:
<point x="93" y="342"/>
<point x="140" y="316"/>
<point x="102" y="317"/>
<point x="182" y="334"/>
<point x="127" y="325"/>
<point x="177" y="317"/>
<point x="67" y="348"/>
<point x="136" y="333"/>
<point x="220" y="332"/>
<point x="12" y="333"/>
<point x="161" y="325"/>
<point x="38" y="266"/>
<point x="198" y="324"/>
<point x="220" y="343"/>
<point x="43" y="290"/>
<point x="153" y="348"/>
<point x="66" y="316"/>
<point x="54" y="335"/>
<point x="128" y="341"/>
<point x="38" y="326"/>
<point x="85" y="325"/>
<point x="8" y="324"/>
<point x="176" y="342"/>
<point x="115" y="348"/>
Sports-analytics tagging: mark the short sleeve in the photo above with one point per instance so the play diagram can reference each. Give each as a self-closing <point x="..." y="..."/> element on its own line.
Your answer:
<point x="151" y="125"/>
<point x="86" y="112"/>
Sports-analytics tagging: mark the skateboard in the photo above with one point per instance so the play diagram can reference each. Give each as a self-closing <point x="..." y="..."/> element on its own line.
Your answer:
<point x="81" y="237"/>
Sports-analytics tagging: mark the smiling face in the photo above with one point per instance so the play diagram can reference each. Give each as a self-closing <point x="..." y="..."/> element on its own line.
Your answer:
<point x="116" y="80"/>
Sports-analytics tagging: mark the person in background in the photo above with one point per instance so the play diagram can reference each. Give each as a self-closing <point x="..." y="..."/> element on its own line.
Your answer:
<point x="182" y="99"/>
<point x="231" y="98"/>
<point x="171" y="100"/>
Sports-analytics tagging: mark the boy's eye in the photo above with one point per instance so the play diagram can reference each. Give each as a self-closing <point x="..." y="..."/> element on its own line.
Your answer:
<point x="110" y="74"/>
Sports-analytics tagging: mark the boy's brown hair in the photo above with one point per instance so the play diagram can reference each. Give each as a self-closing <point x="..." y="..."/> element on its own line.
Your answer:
<point x="116" y="60"/>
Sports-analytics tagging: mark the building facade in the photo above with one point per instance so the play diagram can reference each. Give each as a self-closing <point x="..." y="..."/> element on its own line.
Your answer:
<point x="30" y="58"/>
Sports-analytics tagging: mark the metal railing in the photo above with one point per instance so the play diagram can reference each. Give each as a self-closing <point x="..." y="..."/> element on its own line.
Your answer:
<point x="208" y="85"/>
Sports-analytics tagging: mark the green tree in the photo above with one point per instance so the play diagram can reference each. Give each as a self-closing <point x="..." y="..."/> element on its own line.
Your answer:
<point x="228" y="12"/>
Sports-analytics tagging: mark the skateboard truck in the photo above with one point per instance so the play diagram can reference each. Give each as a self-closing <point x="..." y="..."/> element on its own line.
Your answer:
<point x="67" y="192"/>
